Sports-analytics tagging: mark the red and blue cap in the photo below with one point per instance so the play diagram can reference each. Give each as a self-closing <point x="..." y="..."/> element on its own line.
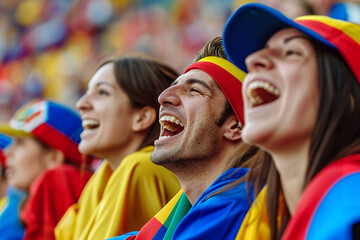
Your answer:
<point x="250" y="26"/>
<point x="55" y="125"/>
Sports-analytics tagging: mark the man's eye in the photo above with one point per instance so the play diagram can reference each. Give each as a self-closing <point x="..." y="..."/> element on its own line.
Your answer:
<point x="195" y="90"/>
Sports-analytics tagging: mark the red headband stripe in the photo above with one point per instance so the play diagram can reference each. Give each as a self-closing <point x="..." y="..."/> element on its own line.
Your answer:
<point x="230" y="85"/>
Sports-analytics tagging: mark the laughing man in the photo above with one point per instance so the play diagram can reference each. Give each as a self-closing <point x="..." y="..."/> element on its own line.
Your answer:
<point x="199" y="142"/>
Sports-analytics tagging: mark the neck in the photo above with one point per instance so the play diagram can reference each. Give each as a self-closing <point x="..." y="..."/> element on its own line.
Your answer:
<point x="291" y="163"/>
<point x="196" y="180"/>
<point x="115" y="156"/>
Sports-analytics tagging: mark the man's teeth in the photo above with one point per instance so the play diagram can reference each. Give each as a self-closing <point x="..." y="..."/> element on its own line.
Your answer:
<point x="163" y="137"/>
<point x="86" y="124"/>
<point x="170" y="119"/>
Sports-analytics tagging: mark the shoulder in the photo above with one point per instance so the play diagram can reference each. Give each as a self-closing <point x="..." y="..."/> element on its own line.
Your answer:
<point x="58" y="175"/>
<point x="330" y="204"/>
<point x="228" y="187"/>
<point x="338" y="210"/>
<point x="140" y="163"/>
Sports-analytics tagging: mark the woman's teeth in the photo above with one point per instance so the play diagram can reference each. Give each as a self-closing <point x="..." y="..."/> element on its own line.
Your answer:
<point x="90" y="124"/>
<point x="262" y="92"/>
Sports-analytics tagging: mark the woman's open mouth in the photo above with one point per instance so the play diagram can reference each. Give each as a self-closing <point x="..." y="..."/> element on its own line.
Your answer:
<point x="260" y="92"/>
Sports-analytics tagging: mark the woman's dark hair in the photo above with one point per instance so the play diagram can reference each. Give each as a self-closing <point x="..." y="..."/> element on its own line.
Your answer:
<point x="336" y="133"/>
<point x="143" y="78"/>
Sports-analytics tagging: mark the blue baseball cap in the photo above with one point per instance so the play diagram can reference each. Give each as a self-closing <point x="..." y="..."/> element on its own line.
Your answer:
<point x="250" y="26"/>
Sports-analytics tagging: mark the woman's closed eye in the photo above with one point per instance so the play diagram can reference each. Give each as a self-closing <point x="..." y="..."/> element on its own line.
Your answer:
<point x="292" y="53"/>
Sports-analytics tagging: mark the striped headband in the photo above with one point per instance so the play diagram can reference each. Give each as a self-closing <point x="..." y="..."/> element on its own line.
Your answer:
<point x="248" y="29"/>
<point x="228" y="77"/>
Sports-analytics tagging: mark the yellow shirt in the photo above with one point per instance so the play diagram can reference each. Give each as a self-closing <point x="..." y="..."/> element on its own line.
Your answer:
<point x="3" y="203"/>
<point x="114" y="203"/>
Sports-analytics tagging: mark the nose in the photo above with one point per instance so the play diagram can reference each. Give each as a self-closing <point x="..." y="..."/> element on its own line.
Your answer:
<point x="169" y="96"/>
<point x="259" y="60"/>
<point x="83" y="103"/>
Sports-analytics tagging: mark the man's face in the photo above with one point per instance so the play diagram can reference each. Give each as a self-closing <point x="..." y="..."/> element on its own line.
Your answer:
<point x="189" y="110"/>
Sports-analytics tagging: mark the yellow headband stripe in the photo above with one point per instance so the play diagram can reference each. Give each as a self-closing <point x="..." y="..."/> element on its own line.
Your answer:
<point x="228" y="66"/>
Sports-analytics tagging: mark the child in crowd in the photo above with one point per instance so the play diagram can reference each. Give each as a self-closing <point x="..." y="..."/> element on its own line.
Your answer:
<point x="44" y="162"/>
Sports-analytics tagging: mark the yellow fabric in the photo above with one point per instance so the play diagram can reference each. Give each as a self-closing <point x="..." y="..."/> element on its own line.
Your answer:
<point x="348" y="28"/>
<point x="3" y="203"/>
<point x="116" y="203"/>
<point x="226" y="65"/>
<point x="255" y="224"/>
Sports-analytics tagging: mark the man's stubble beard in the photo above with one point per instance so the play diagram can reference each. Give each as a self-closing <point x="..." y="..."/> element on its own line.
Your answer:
<point x="189" y="160"/>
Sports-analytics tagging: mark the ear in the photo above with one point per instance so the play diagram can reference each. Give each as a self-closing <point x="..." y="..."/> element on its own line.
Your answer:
<point x="54" y="158"/>
<point x="143" y="118"/>
<point x="232" y="130"/>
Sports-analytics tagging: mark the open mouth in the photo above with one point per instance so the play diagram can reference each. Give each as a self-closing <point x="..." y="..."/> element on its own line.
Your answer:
<point x="261" y="93"/>
<point x="171" y="126"/>
<point x="90" y="124"/>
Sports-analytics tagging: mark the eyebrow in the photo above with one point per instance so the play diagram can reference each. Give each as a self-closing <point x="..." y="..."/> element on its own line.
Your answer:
<point x="286" y="40"/>
<point x="192" y="81"/>
<point x="104" y="83"/>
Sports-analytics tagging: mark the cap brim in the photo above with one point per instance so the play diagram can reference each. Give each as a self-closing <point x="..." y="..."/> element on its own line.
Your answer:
<point x="248" y="29"/>
<point x="7" y="129"/>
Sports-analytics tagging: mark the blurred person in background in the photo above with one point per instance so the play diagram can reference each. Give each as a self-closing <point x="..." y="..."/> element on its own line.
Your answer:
<point x="348" y="10"/>
<point x="5" y="142"/>
<point x="56" y="44"/>
<point x="291" y="8"/>
<point x="119" y="114"/>
<point x="10" y="225"/>
<point x="200" y="141"/>
<point x="44" y="162"/>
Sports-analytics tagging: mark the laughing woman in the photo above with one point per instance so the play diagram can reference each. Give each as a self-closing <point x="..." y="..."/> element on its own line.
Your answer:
<point x="302" y="106"/>
<point x="120" y="119"/>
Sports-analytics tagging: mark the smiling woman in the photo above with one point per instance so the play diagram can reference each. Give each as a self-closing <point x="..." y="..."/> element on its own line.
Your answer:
<point x="301" y="105"/>
<point x="119" y="114"/>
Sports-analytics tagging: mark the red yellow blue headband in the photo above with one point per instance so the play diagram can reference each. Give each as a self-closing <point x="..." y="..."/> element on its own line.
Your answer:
<point x="228" y="77"/>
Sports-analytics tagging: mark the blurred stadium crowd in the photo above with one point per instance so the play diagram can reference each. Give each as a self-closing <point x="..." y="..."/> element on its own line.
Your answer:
<point x="50" y="48"/>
